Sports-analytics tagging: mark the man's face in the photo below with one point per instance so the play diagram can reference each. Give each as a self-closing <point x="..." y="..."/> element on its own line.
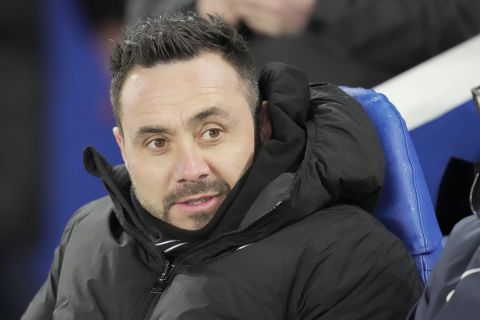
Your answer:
<point x="188" y="137"/>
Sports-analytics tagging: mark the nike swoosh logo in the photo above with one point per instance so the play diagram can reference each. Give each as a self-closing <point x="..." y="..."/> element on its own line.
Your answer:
<point x="243" y="247"/>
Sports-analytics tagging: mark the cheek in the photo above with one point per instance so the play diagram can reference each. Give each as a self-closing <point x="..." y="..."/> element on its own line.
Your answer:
<point x="235" y="159"/>
<point x="150" y="176"/>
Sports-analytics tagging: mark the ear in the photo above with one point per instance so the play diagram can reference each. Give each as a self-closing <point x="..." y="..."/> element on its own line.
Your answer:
<point x="117" y="133"/>
<point x="264" y="123"/>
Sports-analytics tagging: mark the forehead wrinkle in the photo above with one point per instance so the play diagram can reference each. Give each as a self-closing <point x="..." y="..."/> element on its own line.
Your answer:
<point x="209" y="112"/>
<point x="180" y="98"/>
<point x="155" y="105"/>
<point x="205" y="84"/>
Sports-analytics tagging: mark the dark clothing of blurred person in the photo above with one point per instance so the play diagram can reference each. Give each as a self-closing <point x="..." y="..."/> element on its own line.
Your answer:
<point x="21" y="150"/>
<point x="354" y="43"/>
<point x="237" y="199"/>
<point x="20" y="124"/>
<point x="452" y="291"/>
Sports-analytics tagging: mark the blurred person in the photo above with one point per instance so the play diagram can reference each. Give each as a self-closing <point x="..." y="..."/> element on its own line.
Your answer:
<point x="39" y="62"/>
<point x="354" y="43"/>
<point x="21" y="153"/>
<point x="20" y="124"/>
<point x="238" y="199"/>
<point x="452" y="291"/>
<point x="454" y="193"/>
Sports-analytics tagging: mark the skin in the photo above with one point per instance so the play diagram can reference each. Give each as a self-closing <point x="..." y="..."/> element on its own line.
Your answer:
<point x="269" y="17"/>
<point x="187" y="136"/>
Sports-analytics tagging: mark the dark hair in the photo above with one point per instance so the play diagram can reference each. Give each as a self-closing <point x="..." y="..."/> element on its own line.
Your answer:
<point x="175" y="37"/>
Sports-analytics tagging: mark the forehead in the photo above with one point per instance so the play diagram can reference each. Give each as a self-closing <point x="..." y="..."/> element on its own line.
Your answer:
<point x="181" y="85"/>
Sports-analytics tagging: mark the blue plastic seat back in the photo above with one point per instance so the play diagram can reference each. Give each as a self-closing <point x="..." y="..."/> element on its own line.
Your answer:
<point x="405" y="206"/>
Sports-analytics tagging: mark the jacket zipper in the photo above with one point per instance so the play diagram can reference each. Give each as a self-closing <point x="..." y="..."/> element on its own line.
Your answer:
<point x="159" y="286"/>
<point x="156" y="290"/>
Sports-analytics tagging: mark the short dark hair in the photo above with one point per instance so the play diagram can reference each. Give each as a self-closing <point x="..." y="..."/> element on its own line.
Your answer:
<point x="178" y="36"/>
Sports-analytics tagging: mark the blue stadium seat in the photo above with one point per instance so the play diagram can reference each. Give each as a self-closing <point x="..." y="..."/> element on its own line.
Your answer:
<point x="405" y="206"/>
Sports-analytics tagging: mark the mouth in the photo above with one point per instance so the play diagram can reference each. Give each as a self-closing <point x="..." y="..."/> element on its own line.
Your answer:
<point x="196" y="200"/>
<point x="205" y="202"/>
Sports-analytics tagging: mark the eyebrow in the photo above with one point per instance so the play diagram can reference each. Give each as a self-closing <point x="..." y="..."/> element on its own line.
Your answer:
<point x="199" y="117"/>
<point x="208" y="113"/>
<point x="147" y="130"/>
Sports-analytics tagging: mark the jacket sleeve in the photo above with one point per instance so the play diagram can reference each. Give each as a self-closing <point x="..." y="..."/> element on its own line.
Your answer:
<point x="453" y="277"/>
<point x="366" y="277"/>
<point x="43" y="304"/>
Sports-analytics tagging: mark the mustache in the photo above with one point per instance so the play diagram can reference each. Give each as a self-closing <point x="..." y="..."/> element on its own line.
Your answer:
<point x="194" y="188"/>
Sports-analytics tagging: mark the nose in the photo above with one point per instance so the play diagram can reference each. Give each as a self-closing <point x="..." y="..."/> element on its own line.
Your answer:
<point x="191" y="166"/>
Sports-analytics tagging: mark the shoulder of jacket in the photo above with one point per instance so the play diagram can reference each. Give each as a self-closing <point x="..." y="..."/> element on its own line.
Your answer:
<point x="343" y="215"/>
<point x="93" y="212"/>
<point x="346" y="225"/>
<point x="347" y="236"/>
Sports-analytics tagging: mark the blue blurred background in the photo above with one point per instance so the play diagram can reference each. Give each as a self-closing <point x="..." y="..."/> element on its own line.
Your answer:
<point x="65" y="107"/>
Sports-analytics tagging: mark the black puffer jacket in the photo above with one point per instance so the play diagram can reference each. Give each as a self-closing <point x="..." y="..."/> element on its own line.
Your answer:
<point x="305" y="248"/>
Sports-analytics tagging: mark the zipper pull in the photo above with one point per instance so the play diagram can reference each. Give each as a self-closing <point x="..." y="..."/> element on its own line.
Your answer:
<point x="159" y="285"/>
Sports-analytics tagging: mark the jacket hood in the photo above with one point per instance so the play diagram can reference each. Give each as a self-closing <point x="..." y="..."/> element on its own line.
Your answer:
<point x="323" y="151"/>
<point x="329" y="131"/>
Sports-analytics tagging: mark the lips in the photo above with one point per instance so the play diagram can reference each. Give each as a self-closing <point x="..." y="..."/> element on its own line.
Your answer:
<point x="199" y="203"/>
<point x="196" y="200"/>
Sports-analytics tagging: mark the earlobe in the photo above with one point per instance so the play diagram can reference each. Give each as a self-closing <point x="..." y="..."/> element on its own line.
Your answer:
<point x="120" y="141"/>
<point x="265" y="123"/>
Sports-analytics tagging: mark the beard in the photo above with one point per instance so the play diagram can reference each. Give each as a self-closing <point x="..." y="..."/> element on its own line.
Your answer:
<point x="161" y="209"/>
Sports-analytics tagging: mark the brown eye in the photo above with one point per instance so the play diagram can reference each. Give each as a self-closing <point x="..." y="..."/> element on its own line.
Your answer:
<point x="214" y="133"/>
<point x="159" y="143"/>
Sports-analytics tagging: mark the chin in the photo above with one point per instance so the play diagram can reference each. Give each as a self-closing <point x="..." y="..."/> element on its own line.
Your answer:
<point x="196" y="221"/>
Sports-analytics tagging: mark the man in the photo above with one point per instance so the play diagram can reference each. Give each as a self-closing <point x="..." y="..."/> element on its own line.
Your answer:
<point x="452" y="291"/>
<point x="237" y="200"/>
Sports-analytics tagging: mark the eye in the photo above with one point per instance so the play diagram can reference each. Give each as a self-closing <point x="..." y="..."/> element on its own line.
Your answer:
<point x="157" y="144"/>
<point x="212" y="134"/>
